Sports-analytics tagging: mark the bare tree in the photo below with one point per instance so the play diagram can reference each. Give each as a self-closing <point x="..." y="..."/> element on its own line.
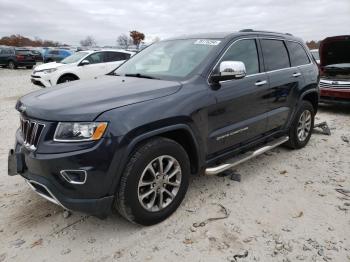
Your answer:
<point x="89" y="41"/>
<point x="124" y="40"/>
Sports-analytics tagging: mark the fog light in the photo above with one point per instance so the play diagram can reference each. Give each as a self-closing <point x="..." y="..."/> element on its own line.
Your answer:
<point x="77" y="177"/>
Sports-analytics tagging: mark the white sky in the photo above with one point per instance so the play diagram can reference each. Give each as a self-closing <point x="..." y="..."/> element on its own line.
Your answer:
<point x="69" y="21"/>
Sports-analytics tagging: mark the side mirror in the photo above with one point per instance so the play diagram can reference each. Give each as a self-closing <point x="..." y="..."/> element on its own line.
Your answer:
<point x="84" y="62"/>
<point x="229" y="70"/>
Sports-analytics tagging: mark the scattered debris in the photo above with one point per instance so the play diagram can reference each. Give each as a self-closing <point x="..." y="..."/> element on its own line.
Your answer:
<point x="324" y="127"/>
<point x="39" y="242"/>
<point x="66" y="251"/>
<point x="245" y="254"/>
<point x="283" y="172"/>
<point x="300" y="214"/>
<point x="345" y="139"/>
<point x="236" y="177"/>
<point x="66" y="213"/>
<point x="345" y="192"/>
<point x="188" y="241"/>
<point x="203" y="223"/>
<point x="232" y="173"/>
<point x="17" y="243"/>
<point x="3" y="257"/>
<point x="71" y="224"/>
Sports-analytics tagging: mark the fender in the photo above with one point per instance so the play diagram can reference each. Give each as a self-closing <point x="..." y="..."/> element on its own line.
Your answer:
<point x="120" y="160"/>
<point x="301" y="97"/>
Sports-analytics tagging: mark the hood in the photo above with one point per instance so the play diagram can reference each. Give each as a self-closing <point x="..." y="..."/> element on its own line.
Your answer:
<point x="335" y="50"/>
<point x="48" y="66"/>
<point x="85" y="100"/>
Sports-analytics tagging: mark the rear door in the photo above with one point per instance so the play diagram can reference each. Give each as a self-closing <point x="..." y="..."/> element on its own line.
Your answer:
<point x="114" y="59"/>
<point x="239" y="115"/>
<point x="96" y="67"/>
<point x="284" y="82"/>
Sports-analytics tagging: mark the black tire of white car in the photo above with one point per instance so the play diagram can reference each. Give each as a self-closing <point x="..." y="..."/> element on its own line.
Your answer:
<point x="302" y="126"/>
<point x="144" y="175"/>
<point x="65" y="79"/>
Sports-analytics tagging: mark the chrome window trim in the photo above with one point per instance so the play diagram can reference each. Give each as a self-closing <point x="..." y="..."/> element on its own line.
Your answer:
<point x="261" y="73"/>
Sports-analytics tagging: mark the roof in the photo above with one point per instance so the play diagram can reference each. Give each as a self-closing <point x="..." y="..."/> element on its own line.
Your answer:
<point x="218" y="35"/>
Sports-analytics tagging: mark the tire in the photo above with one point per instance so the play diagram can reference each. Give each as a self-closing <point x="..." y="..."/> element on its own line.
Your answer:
<point x="29" y="67"/>
<point x="298" y="139"/>
<point x="129" y="196"/>
<point x="12" y="65"/>
<point x="65" y="79"/>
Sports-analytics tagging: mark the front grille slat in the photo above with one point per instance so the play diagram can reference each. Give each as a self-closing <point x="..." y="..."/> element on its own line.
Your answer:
<point x="31" y="131"/>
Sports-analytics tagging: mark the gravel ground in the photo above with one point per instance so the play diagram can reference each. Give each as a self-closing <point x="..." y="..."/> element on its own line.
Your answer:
<point x="285" y="208"/>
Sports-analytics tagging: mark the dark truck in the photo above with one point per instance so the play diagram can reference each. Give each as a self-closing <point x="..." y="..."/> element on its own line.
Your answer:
<point x="16" y="57"/>
<point x="191" y="105"/>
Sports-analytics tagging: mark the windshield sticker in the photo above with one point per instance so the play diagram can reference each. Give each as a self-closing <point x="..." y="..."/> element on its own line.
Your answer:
<point x="207" y="42"/>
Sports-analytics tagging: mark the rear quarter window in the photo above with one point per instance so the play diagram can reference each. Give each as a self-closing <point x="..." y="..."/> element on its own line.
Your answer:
<point x="275" y="54"/>
<point x="298" y="55"/>
<point x="115" y="56"/>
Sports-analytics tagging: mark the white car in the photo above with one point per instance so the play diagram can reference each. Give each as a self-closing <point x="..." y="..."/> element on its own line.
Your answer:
<point x="80" y="65"/>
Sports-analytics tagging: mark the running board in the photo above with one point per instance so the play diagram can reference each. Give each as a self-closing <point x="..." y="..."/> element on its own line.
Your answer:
<point x="244" y="157"/>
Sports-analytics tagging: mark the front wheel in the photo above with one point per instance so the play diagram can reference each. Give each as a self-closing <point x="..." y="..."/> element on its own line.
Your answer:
<point x="12" y="65"/>
<point x="65" y="79"/>
<point x="154" y="182"/>
<point x="302" y="126"/>
<point x="29" y="67"/>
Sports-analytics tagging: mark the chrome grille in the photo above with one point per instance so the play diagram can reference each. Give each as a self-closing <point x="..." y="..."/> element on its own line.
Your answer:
<point x="335" y="84"/>
<point x="31" y="131"/>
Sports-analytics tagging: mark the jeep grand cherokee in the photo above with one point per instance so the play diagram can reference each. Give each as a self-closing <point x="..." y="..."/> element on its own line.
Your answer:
<point x="198" y="104"/>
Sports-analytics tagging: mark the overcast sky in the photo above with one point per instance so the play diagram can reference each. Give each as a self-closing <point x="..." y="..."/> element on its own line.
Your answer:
<point x="69" y="21"/>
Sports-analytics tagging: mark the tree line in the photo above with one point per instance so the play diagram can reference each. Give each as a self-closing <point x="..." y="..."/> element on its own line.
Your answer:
<point x="134" y="38"/>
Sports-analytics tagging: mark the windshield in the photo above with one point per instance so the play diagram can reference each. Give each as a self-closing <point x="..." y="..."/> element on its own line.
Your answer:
<point x="315" y="54"/>
<point x="74" y="58"/>
<point x="168" y="60"/>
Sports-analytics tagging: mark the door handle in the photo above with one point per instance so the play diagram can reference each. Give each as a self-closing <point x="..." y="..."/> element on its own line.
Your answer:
<point x="260" y="83"/>
<point x="296" y="74"/>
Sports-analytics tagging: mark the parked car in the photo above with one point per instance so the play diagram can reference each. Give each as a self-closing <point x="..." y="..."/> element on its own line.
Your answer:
<point x="37" y="55"/>
<point x="316" y="55"/>
<point x="81" y="65"/>
<point x="131" y="139"/>
<point x="55" y="55"/>
<point x="335" y="70"/>
<point x="16" y="57"/>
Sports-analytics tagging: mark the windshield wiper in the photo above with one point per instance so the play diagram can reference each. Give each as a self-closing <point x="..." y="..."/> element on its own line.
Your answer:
<point x="141" y="76"/>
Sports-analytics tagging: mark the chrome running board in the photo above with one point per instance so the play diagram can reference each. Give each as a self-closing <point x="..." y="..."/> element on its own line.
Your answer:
<point x="244" y="157"/>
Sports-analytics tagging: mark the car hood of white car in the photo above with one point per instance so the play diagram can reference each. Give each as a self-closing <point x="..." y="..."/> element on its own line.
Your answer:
<point x="48" y="66"/>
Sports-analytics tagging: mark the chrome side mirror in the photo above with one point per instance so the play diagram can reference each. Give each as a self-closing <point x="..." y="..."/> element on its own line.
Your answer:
<point x="229" y="70"/>
<point x="84" y="62"/>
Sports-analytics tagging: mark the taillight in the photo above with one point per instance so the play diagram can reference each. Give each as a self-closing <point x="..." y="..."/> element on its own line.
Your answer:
<point x="19" y="57"/>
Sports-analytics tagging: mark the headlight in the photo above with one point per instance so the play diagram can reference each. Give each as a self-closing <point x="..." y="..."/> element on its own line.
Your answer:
<point x="76" y="132"/>
<point x="48" y="71"/>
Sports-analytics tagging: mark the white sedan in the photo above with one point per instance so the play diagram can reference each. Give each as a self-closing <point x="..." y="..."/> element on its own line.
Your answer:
<point x="81" y="65"/>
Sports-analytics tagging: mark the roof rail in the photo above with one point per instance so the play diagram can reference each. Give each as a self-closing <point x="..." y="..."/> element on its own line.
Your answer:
<point x="262" y="31"/>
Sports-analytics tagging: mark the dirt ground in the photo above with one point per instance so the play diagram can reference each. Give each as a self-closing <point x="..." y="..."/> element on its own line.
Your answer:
<point x="285" y="208"/>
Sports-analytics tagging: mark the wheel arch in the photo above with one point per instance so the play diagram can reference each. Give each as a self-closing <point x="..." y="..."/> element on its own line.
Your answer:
<point x="67" y="74"/>
<point x="312" y="96"/>
<point x="181" y="133"/>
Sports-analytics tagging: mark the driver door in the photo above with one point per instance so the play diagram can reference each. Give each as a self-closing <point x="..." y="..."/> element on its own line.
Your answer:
<point x="96" y="66"/>
<point x="240" y="114"/>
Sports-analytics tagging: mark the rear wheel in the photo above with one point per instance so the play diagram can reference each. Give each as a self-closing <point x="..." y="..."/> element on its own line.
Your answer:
<point x="301" y="128"/>
<point x="29" y="67"/>
<point x="154" y="182"/>
<point x="12" y="65"/>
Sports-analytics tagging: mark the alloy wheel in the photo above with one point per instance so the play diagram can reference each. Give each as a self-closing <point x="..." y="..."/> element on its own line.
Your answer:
<point x="159" y="183"/>
<point x="304" y="125"/>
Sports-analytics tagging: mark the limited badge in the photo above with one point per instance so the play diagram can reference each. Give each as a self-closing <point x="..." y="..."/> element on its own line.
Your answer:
<point x="207" y="42"/>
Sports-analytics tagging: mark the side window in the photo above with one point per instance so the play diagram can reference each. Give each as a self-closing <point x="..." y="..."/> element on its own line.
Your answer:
<point x="95" y="58"/>
<point x="54" y="52"/>
<point x="275" y="54"/>
<point x="246" y="52"/>
<point x="297" y="54"/>
<point x="115" y="56"/>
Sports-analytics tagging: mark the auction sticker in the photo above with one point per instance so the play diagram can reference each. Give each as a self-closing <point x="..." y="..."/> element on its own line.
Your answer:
<point x="206" y="42"/>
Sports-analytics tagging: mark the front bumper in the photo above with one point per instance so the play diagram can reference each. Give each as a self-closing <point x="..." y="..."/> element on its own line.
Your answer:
<point x="40" y="80"/>
<point x="42" y="173"/>
<point x="335" y="95"/>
